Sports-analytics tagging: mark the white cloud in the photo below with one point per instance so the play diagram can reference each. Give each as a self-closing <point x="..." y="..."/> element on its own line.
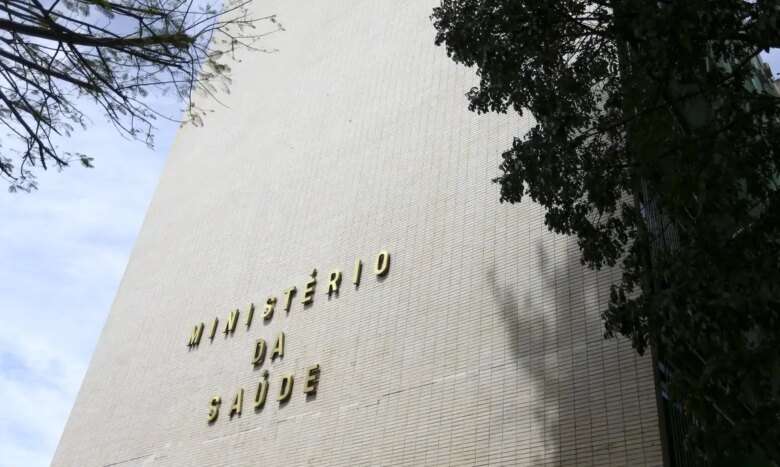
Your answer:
<point x="63" y="250"/>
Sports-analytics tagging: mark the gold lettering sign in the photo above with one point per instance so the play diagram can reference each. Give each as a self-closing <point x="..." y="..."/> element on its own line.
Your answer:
<point x="382" y="263"/>
<point x="262" y="392"/>
<point x="214" y="408"/>
<point x="238" y="404"/>
<point x="214" y="329"/>
<point x="278" y="347"/>
<point x="334" y="282"/>
<point x="230" y="325"/>
<point x="356" y="274"/>
<point x="196" y="335"/>
<point x="381" y="268"/>
<point x="311" y="377"/>
<point x="270" y="305"/>
<point x="288" y="296"/>
<point x="308" y="291"/>
<point x="259" y="356"/>
<point x="249" y="315"/>
<point x="286" y="389"/>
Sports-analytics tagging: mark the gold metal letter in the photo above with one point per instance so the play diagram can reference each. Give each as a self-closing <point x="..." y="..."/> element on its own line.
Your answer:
<point x="214" y="328"/>
<point x="288" y="295"/>
<point x="197" y="333"/>
<point x="334" y="282"/>
<point x="230" y="325"/>
<point x="250" y="314"/>
<point x="262" y="392"/>
<point x="269" y="308"/>
<point x="312" y="379"/>
<point x="308" y="292"/>
<point x="278" y="347"/>
<point x="259" y="356"/>
<point x="214" y="408"/>
<point x="286" y="389"/>
<point x="382" y="263"/>
<point x="238" y="403"/>
<point x="358" y="270"/>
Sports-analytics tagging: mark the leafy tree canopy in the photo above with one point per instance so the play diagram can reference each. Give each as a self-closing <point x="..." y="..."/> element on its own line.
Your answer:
<point x="56" y="54"/>
<point x="657" y="144"/>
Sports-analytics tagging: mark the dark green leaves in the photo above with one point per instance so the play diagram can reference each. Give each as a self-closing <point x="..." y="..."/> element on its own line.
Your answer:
<point x="657" y="145"/>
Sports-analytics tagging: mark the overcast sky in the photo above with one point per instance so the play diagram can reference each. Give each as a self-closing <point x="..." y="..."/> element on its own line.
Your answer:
<point x="63" y="250"/>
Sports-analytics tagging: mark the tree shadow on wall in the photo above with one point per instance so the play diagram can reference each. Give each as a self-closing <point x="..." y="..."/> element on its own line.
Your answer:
<point x="547" y="356"/>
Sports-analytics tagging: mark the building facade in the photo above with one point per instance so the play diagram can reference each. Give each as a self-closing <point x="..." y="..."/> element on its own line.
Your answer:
<point x="472" y="335"/>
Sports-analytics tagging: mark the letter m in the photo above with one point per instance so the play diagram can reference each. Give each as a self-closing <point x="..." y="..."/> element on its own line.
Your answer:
<point x="197" y="333"/>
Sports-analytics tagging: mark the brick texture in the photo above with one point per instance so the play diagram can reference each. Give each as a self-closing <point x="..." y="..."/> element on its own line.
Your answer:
<point x="482" y="346"/>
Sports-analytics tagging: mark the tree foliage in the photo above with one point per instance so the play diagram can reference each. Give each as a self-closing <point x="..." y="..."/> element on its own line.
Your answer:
<point x="657" y="144"/>
<point x="120" y="54"/>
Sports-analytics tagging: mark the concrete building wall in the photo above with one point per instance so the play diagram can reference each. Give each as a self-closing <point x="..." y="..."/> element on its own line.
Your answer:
<point x="481" y="346"/>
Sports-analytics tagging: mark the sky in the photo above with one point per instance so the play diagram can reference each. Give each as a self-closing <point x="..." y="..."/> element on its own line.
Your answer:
<point x="773" y="59"/>
<point x="63" y="250"/>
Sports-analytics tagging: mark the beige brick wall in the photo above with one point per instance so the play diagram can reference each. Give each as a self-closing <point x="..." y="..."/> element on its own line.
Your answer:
<point x="482" y="346"/>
